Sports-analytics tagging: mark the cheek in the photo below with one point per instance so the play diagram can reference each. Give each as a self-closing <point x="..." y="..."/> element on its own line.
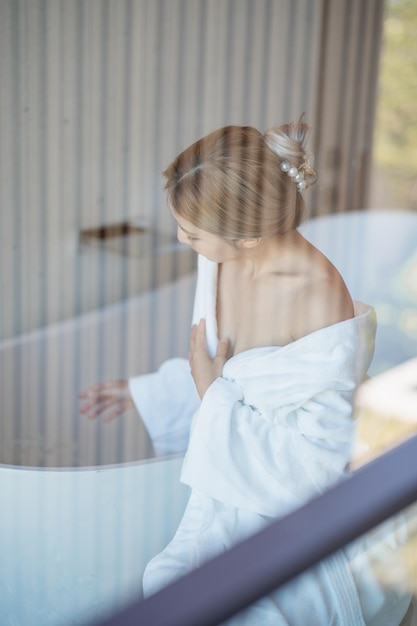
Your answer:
<point x="217" y="253"/>
<point x="181" y="236"/>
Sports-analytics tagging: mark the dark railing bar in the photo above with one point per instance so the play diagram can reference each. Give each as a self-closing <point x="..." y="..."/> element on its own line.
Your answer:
<point x="232" y="581"/>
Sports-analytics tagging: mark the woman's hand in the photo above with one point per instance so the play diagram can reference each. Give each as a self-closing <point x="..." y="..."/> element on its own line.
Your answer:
<point x="111" y="399"/>
<point x="203" y="368"/>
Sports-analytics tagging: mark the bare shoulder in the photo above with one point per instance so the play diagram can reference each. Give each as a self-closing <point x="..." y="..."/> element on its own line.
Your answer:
<point x="323" y="299"/>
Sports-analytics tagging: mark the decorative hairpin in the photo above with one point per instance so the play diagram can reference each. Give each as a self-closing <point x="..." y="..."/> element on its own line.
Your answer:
<point x="299" y="174"/>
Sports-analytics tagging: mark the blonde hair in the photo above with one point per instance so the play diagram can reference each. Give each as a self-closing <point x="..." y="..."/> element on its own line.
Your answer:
<point x="230" y="182"/>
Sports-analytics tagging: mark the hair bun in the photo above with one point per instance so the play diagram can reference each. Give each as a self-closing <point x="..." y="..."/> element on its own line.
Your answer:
<point x="288" y="143"/>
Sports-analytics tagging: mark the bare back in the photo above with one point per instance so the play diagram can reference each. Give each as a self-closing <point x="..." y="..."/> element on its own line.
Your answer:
<point x="299" y="292"/>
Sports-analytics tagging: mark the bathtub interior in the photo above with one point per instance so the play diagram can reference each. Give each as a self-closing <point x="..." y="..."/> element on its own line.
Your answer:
<point x="42" y="374"/>
<point x="83" y="505"/>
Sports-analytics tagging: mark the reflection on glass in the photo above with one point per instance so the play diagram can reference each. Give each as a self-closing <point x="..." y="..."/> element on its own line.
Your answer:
<point x="386" y="411"/>
<point x="138" y="507"/>
<point x="371" y="582"/>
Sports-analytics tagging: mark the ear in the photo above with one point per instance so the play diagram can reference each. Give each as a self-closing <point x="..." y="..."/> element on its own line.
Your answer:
<point x="250" y="243"/>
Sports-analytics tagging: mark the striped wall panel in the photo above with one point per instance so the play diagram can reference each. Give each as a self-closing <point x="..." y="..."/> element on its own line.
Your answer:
<point x="97" y="96"/>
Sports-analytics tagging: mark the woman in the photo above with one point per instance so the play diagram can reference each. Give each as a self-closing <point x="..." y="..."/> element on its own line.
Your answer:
<point x="277" y="350"/>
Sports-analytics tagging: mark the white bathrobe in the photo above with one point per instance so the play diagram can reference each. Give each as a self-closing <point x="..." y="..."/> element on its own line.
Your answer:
<point x="273" y="431"/>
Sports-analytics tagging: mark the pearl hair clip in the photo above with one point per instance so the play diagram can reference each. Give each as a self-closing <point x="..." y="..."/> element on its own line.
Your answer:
<point x="299" y="174"/>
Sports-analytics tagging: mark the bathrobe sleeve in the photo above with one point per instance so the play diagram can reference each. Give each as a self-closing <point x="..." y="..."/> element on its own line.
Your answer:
<point x="265" y="462"/>
<point x="166" y="401"/>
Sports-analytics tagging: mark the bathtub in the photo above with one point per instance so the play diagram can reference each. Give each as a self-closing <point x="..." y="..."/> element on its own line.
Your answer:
<point x="76" y="496"/>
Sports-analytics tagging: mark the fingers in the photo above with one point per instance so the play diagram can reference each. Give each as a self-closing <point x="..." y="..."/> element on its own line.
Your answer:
<point x="122" y="407"/>
<point x="95" y="407"/>
<point x="198" y="336"/>
<point x="201" y="335"/>
<point x="109" y="399"/>
<point x="198" y="342"/>
<point x="109" y="385"/>
<point x="194" y="329"/>
<point x="204" y="368"/>
<point x="108" y="409"/>
<point x="222" y="349"/>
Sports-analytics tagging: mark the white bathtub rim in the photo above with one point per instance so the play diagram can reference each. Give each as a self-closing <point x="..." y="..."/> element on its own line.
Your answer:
<point x="93" y="468"/>
<point x="86" y="319"/>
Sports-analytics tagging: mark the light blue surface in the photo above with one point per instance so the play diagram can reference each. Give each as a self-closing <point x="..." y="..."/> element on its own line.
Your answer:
<point x="75" y="543"/>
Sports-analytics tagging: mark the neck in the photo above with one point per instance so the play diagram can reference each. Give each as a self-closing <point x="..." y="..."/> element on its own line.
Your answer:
<point x="271" y="254"/>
